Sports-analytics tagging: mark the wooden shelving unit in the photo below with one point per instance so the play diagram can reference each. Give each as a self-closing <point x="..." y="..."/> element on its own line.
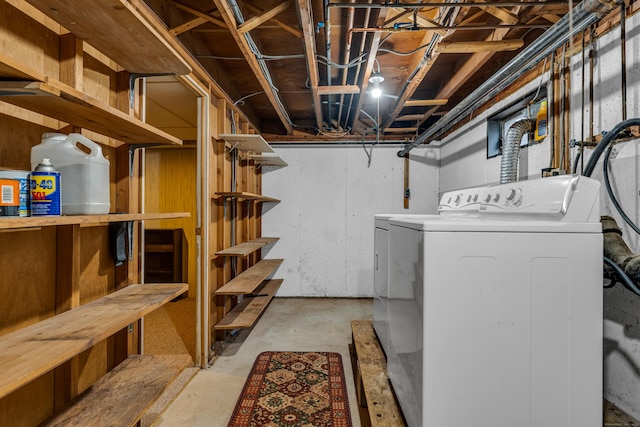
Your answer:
<point x="242" y="249"/>
<point x="245" y="314"/>
<point x="247" y="142"/>
<point x="79" y="317"/>
<point x="164" y="257"/>
<point x="247" y="281"/>
<point x="25" y="356"/>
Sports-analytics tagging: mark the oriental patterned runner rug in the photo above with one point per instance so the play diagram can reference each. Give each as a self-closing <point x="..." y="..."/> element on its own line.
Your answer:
<point x="294" y="389"/>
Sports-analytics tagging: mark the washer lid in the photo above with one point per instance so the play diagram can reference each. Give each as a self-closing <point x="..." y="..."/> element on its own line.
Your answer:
<point x="484" y="225"/>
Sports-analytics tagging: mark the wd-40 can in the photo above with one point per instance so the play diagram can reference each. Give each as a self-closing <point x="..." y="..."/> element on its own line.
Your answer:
<point x="45" y="190"/>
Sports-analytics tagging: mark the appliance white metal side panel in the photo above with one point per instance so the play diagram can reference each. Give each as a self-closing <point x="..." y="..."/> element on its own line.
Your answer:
<point x="380" y="286"/>
<point x="404" y="361"/>
<point x="511" y="333"/>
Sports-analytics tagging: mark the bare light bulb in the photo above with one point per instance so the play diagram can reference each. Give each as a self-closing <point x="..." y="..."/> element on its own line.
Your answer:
<point x="376" y="91"/>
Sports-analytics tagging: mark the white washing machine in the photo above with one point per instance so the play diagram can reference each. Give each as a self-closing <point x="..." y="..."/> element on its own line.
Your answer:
<point x="497" y="320"/>
<point x="454" y="203"/>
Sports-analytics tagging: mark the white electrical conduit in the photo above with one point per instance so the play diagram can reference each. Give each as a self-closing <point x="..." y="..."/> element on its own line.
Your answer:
<point x="581" y="17"/>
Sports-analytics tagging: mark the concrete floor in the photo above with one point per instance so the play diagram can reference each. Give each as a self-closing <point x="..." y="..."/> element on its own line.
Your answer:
<point x="289" y="324"/>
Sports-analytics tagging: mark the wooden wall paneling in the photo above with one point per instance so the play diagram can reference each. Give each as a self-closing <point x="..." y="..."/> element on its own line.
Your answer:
<point x="67" y="297"/>
<point x="27" y="295"/>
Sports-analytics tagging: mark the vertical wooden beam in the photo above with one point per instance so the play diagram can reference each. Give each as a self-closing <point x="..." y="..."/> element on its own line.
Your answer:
<point x="67" y="297"/>
<point x="71" y="62"/>
<point x="406" y="180"/>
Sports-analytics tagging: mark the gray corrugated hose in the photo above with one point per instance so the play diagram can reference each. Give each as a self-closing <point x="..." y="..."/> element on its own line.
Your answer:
<point x="511" y="150"/>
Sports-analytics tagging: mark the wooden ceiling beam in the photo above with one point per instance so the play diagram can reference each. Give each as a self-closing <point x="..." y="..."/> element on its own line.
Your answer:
<point x="471" y="66"/>
<point x="481" y="46"/>
<point x="229" y="19"/>
<point x="189" y="25"/>
<point x="256" y="21"/>
<point x="278" y="22"/>
<point x="339" y="90"/>
<point x="425" y="102"/>
<point x="503" y="15"/>
<point x="199" y="14"/>
<point x="307" y="25"/>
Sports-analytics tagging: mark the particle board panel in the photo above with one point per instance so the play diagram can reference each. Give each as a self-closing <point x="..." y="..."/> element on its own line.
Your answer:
<point x="247" y="281"/>
<point x="30" y="352"/>
<point x="120" y="30"/>
<point x="123" y="395"/>
<point x="62" y="102"/>
<point x="241" y="249"/>
<point x="381" y="402"/>
<point x="245" y="314"/>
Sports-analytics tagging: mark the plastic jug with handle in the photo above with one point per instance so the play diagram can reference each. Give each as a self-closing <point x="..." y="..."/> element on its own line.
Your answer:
<point x="84" y="175"/>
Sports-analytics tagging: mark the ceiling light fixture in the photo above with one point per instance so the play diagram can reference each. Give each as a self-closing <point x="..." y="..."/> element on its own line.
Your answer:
<point x="375" y="79"/>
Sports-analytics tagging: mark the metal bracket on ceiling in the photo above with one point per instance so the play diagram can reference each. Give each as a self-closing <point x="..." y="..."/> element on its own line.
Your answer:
<point x="132" y="82"/>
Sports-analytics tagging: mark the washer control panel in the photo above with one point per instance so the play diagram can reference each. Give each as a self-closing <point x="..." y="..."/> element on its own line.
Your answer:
<point x="461" y="201"/>
<point x="551" y="198"/>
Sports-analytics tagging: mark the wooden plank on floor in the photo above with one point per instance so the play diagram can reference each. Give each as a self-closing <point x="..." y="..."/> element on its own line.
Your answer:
<point x="381" y="401"/>
<point x="245" y="314"/>
<point x="613" y="416"/>
<point x="122" y="396"/>
<point x="247" y="281"/>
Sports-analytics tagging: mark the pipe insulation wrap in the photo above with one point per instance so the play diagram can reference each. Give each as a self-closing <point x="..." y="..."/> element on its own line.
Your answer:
<point x="511" y="150"/>
<point x="581" y="17"/>
<point x="616" y="249"/>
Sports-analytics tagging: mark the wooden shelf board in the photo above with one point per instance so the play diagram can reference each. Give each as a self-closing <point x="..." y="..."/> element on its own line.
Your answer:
<point x="247" y="142"/>
<point x="268" y="160"/>
<point x="123" y="395"/>
<point x="120" y="30"/>
<point x="247" y="281"/>
<point x="62" y="102"/>
<point x="238" y="195"/>
<point x="34" y="350"/>
<point x="242" y="249"/>
<point x="245" y="314"/>
<point x="7" y="223"/>
<point x="267" y="240"/>
<point x="158" y="247"/>
<point x="268" y="199"/>
<point x="383" y="409"/>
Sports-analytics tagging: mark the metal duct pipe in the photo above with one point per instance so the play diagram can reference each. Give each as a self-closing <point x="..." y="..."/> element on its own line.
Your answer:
<point x="582" y="16"/>
<point x="511" y="150"/>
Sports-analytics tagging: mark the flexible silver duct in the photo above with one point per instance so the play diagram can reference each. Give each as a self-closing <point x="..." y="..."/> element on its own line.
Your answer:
<point x="583" y="15"/>
<point x="511" y="150"/>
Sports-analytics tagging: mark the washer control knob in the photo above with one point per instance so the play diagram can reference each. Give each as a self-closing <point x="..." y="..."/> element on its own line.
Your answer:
<point x="487" y="199"/>
<point x="475" y="197"/>
<point x="458" y="199"/>
<point x="495" y="199"/>
<point x="511" y="194"/>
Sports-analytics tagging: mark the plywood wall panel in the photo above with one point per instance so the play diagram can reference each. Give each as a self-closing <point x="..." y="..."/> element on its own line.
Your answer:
<point x="27" y="289"/>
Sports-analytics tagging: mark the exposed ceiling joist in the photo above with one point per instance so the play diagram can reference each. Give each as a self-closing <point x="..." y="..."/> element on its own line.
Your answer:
<point x="425" y="102"/>
<point x="280" y="23"/>
<point x="199" y="14"/>
<point x="339" y="90"/>
<point x="480" y="46"/>
<point x="306" y="23"/>
<point x="247" y="52"/>
<point x="256" y="21"/>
